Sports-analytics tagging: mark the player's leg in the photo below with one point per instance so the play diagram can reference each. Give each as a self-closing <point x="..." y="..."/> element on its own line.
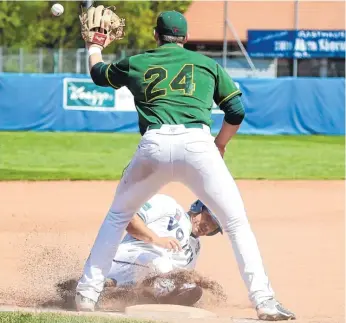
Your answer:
<point x="142" y="179"/>
<point x="132" y="265"/>
<point x="206" y="174"/>
<point x="126" y="269"/>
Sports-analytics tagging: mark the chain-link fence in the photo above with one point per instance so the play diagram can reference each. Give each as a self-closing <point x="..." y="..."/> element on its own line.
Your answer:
<point x="44" y="60"/>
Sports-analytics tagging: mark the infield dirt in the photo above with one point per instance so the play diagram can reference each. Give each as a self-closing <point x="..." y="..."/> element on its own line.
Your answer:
<point x="47" y="229"/>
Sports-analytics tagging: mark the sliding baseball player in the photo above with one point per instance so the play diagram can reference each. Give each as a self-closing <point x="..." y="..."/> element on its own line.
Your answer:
<point x="162" y="238"/>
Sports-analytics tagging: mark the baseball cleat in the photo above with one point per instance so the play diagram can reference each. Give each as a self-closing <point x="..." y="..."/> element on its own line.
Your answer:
<point x="186" y="295"/>
<point x="163" y="287"/>
<point x="272" y="310"/>
<point x="167" y="293"/>
<point x="84" y="304"/>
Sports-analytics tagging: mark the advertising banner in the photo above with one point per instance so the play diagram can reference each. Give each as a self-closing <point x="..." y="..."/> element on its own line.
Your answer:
<point x="296" y="43"/>
<point x="53" y="102"/>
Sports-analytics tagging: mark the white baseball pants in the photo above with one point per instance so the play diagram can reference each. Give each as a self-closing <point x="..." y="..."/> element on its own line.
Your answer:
<point x="175" y="153"/>
<point x="132" y="264"/>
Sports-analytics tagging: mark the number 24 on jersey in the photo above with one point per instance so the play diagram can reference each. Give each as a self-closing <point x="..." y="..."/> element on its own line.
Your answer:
<point x="182" y="81"/>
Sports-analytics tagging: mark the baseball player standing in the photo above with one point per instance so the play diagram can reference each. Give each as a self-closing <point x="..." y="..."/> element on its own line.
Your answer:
<point x="173" y="91"/>
<point x="162" y="238"/>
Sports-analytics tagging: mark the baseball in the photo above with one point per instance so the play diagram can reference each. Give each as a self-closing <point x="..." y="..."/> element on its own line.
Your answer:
<point x="57" y="9"/>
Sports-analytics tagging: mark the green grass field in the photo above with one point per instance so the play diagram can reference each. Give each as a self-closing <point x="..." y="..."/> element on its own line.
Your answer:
<point x="93" y="156"/>
<point x="16" y="317"/>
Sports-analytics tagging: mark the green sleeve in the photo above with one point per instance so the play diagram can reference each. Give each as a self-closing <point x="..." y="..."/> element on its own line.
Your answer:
<point x="114" y="75"/>
<point x="117" y="74"/>
<point x="98" y="74"/>
<point x="234" y="110"/>
<point x="225" y="87"/>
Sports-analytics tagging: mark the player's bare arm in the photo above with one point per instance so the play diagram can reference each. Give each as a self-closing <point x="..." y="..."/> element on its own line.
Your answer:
<point x="234" y="116"/>
<point x="228" y="97"/>
<point x="138" y="229"/>
<point x="226" y="133"/>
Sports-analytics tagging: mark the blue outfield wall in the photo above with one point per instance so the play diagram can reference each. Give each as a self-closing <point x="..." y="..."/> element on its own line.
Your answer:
<point x="65" y="102"/>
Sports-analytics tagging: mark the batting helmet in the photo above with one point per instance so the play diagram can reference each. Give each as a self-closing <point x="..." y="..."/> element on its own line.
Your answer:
<point x="197" y="207"/>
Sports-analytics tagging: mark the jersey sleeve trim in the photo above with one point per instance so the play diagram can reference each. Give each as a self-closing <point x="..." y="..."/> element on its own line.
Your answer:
<point x="107" y="77"/>
<point x="230" y="96"/>
<point x="142" y="216"/>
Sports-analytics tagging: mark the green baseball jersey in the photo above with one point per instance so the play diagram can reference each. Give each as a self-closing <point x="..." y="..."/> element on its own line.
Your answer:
<point x="172" y="85"/>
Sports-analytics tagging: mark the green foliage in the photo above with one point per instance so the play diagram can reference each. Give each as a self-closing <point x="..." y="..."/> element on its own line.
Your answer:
<point x="141" y="19"/>
<point x="30" y="24"/>
<point x="54" y="32"/>
<point x="9" y="22"/>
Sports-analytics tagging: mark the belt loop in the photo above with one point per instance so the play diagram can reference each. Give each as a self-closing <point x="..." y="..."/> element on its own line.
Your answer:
<point x="206" y="128"/>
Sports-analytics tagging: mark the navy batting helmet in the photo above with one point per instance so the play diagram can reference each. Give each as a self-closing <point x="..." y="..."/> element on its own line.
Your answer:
<point x="197" y="207"/>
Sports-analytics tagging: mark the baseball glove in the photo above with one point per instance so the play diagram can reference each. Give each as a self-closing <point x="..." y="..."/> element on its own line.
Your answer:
<point x="101" y="25"/>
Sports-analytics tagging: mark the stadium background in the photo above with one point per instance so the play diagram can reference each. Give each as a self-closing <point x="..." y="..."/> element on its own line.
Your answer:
<point x="282" y="94"/>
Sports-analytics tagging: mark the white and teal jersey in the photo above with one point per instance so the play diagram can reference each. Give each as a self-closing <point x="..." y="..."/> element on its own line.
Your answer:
<point x="164" y="216"/>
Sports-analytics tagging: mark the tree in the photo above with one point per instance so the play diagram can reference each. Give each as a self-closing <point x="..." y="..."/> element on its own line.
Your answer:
<point x="30" y="24"/>
<point x="140" y="20"/>
<point x="9" y="22"/>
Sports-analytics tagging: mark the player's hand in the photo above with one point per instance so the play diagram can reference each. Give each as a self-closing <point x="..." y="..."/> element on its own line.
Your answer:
<point x="168" y="243"/>
<point x="221" y="148"/>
